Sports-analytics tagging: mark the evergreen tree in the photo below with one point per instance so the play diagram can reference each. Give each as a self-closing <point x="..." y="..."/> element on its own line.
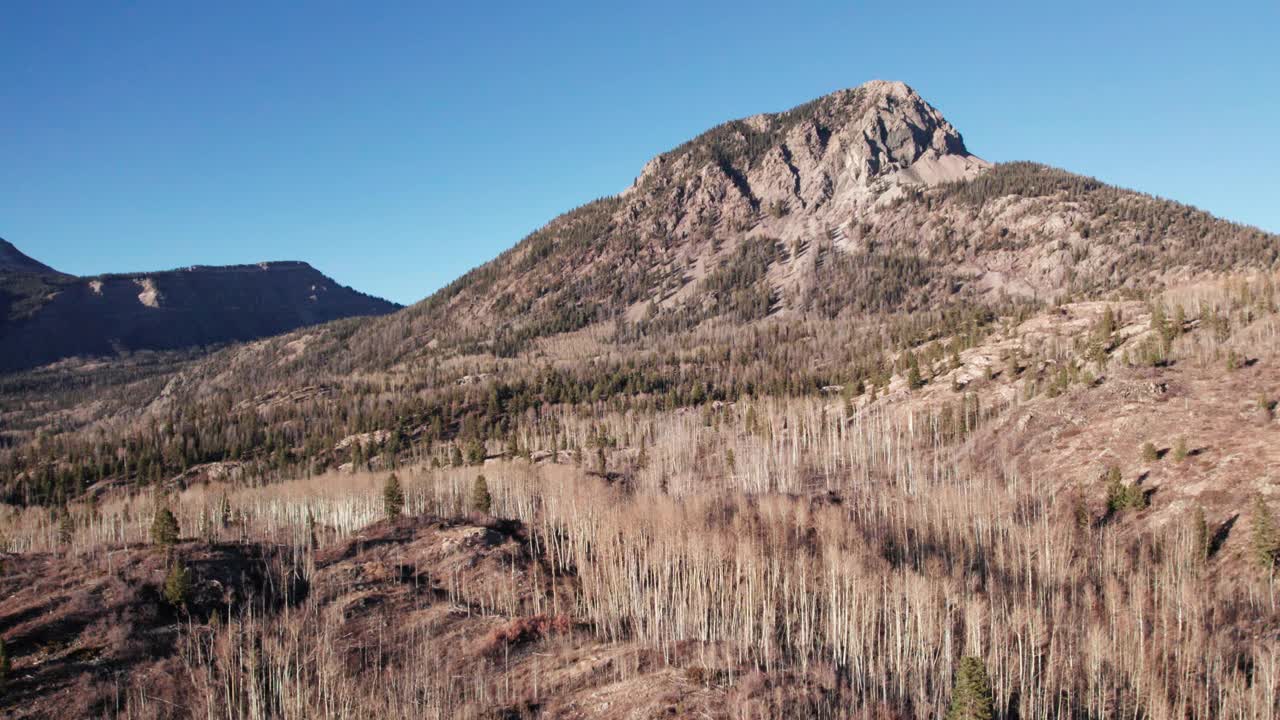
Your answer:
<point x="475" y="452"/>
<point x="1266" y="537"/>
<point x="311" y="529"/>
<point x="164" y="528"/>
<point x="1200" y="535"/>
<point x="5" y="667"/>
<point x="481" y="500"/>
<point x="66" y="527"/>
<point x="177" y="585"/>
<point x="224" y="511"/>
<point x="971" y="697"/>
<point x="455" y="455"/>
<point x="914" y="378"/>
<point x="392" y="497"/>
<point x="914" y="381"/>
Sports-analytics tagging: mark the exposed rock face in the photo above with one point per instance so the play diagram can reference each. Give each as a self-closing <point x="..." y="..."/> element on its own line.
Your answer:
<point x="834" y="155"/>
<point x="45" y="318"/>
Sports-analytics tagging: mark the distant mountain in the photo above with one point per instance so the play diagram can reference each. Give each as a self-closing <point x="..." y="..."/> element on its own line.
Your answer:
<point x="47" y="316"/>
<point x="13" y="260"/>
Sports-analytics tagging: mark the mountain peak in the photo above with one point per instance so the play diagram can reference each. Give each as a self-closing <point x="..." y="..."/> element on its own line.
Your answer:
<point x="828" y="149"/>
<point x="14" y="260"/>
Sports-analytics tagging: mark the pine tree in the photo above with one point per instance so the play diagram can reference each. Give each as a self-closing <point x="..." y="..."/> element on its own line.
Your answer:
<point x="1266" y="537"/>
<point x="66" y="527"/>
<point x="1158" y="318"/>
<point x="1149" y="452"/>
<point x="481" y="500"/>
<point x="1200" y="535"/>
<point x="1117" y="493"/>
<point x="224" y="511"/>
<point x="312" y="541"/>
<point x="392" y="497"/>
<point x="5" y="667"/>
<point x="914" y="381"/>
<point x="177" y="585"/>
<point x="164" y="528"/>
<point x="475" y="452"/>
<point x="455" y="455"/>
<point x="971" y="695"/>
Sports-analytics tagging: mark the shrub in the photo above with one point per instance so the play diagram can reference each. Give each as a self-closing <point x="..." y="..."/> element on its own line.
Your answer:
<point x="481" y="500"/>
<point x="1180" y="450"/>
<point x="392" y="497"/>
<point x="971" y="697"/>
<point x="523" y="630"/>
<point x="1121" y="496"/>
<point x="164" y="528"/>
<point x="1149" y="452"/>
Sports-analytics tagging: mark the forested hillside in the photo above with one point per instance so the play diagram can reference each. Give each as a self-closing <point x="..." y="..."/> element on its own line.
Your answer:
<point x="824" y="416"/>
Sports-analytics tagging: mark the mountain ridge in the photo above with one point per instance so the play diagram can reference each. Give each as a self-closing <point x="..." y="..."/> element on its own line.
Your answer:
<point x="49" y="316"/>
<point x="13" y="260"/>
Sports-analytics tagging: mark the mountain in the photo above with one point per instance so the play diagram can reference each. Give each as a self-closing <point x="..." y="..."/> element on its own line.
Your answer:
<point x="861" y="203"/>
<point x="46" y="316"/>
<point x="12" y="260"/>
<point x="824" y="416"/>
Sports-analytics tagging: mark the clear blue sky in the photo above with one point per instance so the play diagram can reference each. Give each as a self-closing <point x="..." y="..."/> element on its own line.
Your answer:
<point x="394" y="146"/>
